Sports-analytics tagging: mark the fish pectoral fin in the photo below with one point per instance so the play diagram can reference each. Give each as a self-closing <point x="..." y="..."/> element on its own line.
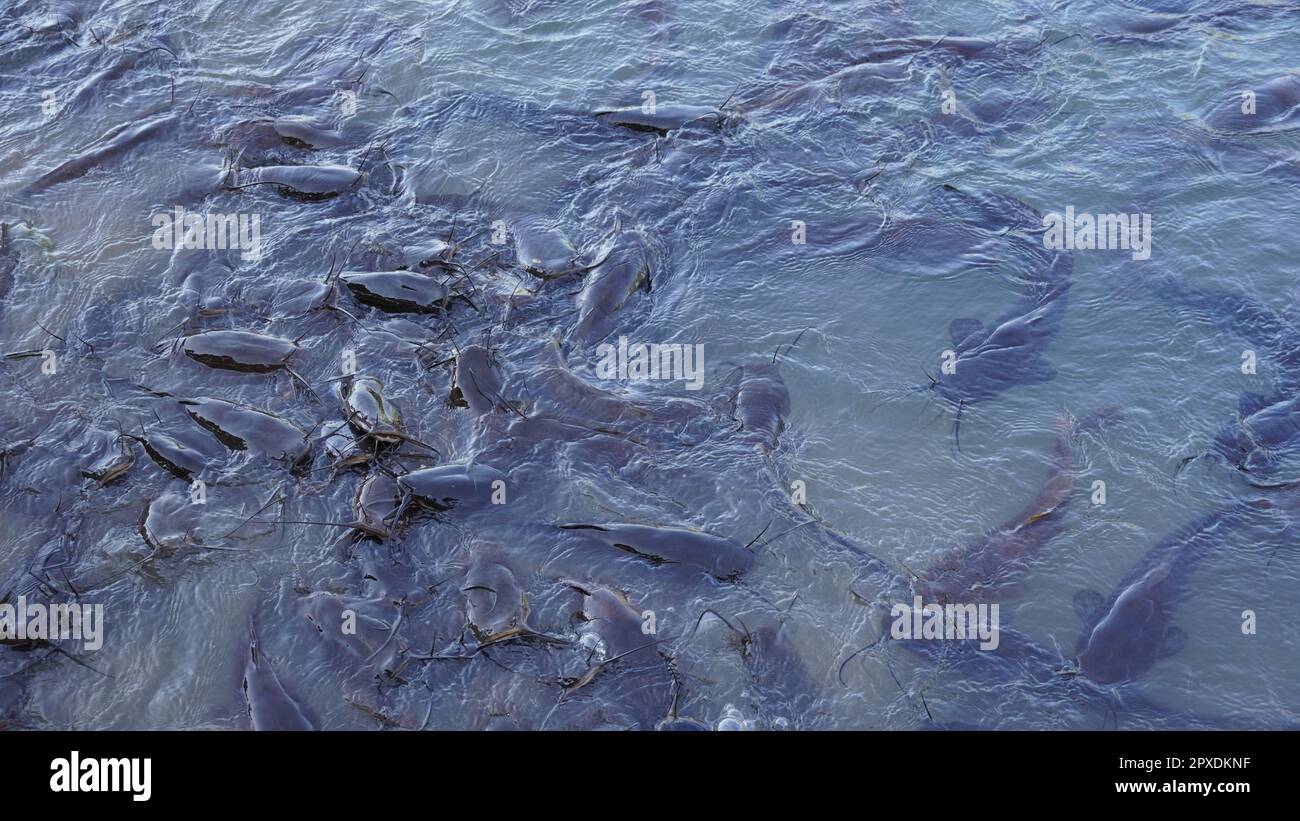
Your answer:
<point x="1087" y="603"/>
<point x="962" y="329"/>
<point x="1175" y="640"/>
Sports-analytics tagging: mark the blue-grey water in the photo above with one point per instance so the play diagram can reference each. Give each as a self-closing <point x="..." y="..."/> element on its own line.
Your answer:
<point x="474" y="121"/>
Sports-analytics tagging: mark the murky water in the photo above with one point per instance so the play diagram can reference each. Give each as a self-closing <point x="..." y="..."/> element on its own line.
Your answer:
<point x="876" y="171"/>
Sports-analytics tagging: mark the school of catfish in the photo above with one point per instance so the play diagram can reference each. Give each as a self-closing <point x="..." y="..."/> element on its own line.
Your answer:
<point x="417" y="409"/>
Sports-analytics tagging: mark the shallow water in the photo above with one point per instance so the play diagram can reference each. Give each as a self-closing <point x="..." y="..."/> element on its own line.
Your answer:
<point x="465" y="114"/>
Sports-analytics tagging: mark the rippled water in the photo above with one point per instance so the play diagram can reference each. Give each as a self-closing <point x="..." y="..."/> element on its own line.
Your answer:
<point x="461" y="115"/>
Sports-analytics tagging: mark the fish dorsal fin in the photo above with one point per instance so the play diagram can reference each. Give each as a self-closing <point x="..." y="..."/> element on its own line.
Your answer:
<point x="1251" y="403"/>
<point x="962" y="329"/>
<point x="1175" y="640"/>
<point x="1087" y="604"/>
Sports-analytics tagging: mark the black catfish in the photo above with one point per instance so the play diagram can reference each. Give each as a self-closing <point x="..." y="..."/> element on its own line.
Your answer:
<point x="760" y="404"/>
<point x="787" y="691"/>
<point x="246" y="351"/>
<point x="609" y="286"/>
<point x="172" y="455"/>
<point x="661" y="119"/>
<point x="989" y="360"/>
<point x="112" y="145"/>
<point x="445" y="487"/>
<point x="1126" y="634"/>
<point x="1276" y="108"/>
<point x="476" y="381"/>
<point x="987" y="568"/>
<point x="625" y="667"/>
<point x="547" y="253"/>
<point x="270" y="707"/>
<point x="397" y="291"/>
<point x="572" y="396"/>
<point x="303" y="182"/>
<point x="240" y="427"/>
<point x="1263" y="432"/>
<point x="722" y="558"/>
<point x="1275" y="335"/>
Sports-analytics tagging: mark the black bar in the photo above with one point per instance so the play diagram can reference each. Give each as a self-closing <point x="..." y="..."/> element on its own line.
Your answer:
<point x="393" y="771"/>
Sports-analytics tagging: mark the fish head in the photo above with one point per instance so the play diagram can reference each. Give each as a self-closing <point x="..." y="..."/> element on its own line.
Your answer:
<point x="1124" y="643"/>
<point x="762" y="402"/>
<point x="1259" y="462"/>
<point x="370" y="412"/>
<point x="493" y="598"/>
<point x="946" y="389"/>
<point x="732" y="564"/>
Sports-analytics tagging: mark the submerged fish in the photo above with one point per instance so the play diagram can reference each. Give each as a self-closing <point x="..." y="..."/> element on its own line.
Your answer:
<point x="357" y="626"/>
<point x="1124" y="635"/>
<point x="172" y="455"/>
<point x="453" y="486"/>
<point x="545" y="252"/>
<point x="626" y="668"/>
<point x="306" y="134"/>
<point x="377" y="504"/>
<point x="722" y="558"/>
<point x="787" y="690"/>
<point x="304" y="182"/>
<point x="476" y="380"/>
<point x="240" y="427"/>
<point x="1263" y="433"/>
<point x="988" y="568"/>
<point x="661" y="119"/>
<point x="270" y="707"/>
<point x="582" y="403"/>
<point x="1276" y="107"/>
<point x="168" y="522"/>
<point x="112" y="145"/>
<point x="760" y="404"/>
<point x="495" y="604"/>
<point x="989" y="360"/>
<point x="368" y="412"/>
<point x="397" y="291"/>
<point x="239" y="350"/>
<point x="111" y="461"/>
<point x="608" y="287"/>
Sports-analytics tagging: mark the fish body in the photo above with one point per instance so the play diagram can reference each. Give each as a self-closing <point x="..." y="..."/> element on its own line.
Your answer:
<point x="447" y="486"/>
<point x="1126" y="634"/>
<point x="270" y="707"/>
<point x="239" y="350"/>
<point x="722" y="558"/>
<point x="240" y="427"/>
<point x="397" y="291"/>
